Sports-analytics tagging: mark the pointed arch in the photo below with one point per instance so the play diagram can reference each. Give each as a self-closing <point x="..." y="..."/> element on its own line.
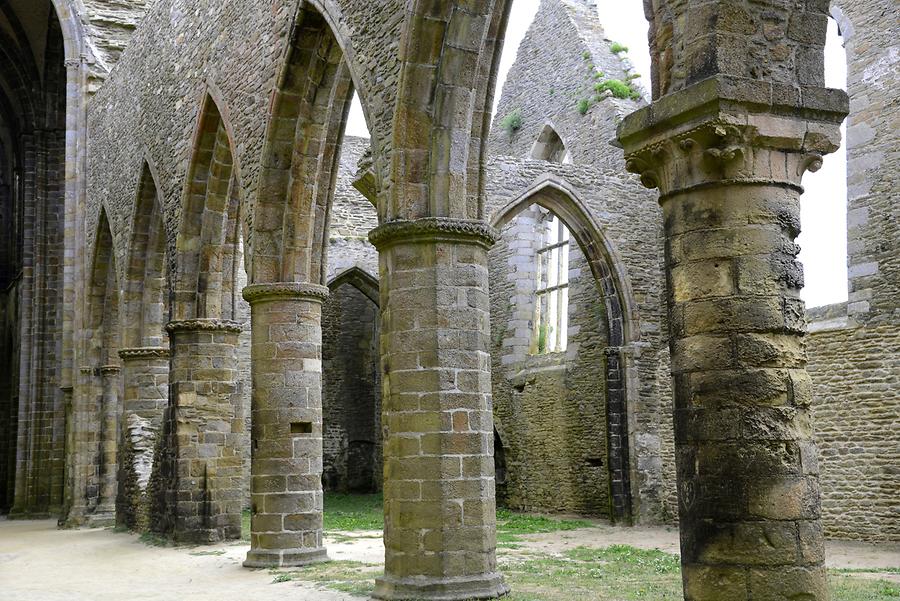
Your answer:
<point x="550" y="146"/>
<point x="211" y="207"/>
<point x="103" y="298"/>
<point x="622" y="325"/>
<point x="361" y="280"/>
<point x="301" y="155"/>
<point x="147" y="302"/>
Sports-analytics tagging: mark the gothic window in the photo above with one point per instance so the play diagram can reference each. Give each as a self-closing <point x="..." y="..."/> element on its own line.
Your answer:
<point x="551" y="311"/>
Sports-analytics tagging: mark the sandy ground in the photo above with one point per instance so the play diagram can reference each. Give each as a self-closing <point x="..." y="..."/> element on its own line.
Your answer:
<point x="39" y="562"/>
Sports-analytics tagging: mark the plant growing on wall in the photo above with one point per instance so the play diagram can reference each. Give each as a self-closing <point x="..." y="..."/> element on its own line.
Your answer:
<point x="618" y="88"/>
<point x="583" y="105"/>
<point x="618" y="48"/>
<point x="512" y="121"/>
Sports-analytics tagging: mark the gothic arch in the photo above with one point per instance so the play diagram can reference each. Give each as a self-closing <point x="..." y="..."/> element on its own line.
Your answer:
<point x="103" y="297"/>
<point x="622" y="324"/>
<point x="301" y="155"/>
<point x="549" y="146"/>
<point x="361" y="280"/>
<point x="210" y="220"/>
<point x="146" y="281"/>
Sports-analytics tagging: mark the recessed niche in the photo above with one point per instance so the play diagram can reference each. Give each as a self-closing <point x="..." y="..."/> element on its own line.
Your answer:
<point x="301" y="427"/>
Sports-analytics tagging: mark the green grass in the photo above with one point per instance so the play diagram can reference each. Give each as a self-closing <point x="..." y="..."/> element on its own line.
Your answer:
<point x="616" y="573"/>
<point x="351" y="577"/>
<point x="511" y="525"/>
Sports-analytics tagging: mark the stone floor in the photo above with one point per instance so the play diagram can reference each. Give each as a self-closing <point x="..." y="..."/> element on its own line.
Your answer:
<point x="39" y="562"/>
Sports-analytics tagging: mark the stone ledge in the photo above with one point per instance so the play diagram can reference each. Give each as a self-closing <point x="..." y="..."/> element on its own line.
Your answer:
<point x="144" y="352"/>
<point x="204" y="325"/>
<point x="434" y="229"/>
<point x="257" y="293"/>
<point x="487" y="586"/>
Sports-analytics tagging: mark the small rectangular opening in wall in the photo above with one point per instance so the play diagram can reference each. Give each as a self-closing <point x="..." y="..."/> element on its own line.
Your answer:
<point x="595" y="461"/>
<point x="301" y="427"/>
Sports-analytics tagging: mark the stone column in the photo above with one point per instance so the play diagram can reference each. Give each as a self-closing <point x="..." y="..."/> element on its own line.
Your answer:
<point x="204" y="485"/>
<point x="146" y="376"/>
<point x="439" y="504"/>
<point x="109" y="443"/>
<point x="82" y="449"/>
<point x="286" y="411"/>
<point x="728" y="156"/>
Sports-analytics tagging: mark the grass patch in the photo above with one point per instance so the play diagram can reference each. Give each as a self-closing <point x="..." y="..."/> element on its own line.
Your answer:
<point x="353" y="512"/>
<point x="151" y="539"/>
<point x="846" y="588"/>
<point x="353" y="577"/>
<point x="511" y="525"/>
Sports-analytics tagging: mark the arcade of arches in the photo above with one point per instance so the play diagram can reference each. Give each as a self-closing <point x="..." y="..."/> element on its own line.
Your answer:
<point x="213" y="301"/>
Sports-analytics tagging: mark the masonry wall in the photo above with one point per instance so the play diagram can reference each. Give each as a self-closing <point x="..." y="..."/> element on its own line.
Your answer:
<point x="549" y="409"/>
<point x="561" y="59"/>
<point x="627" y="216"/>
<point x="351" y="392"/>
<point x="856" y="377"/>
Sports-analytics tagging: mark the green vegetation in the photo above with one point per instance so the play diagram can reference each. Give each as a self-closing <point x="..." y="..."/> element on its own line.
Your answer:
<point x="586" y="55"/>
<point x="618" y="88"/>
<point x="350" y="513"/>
<point x="512" y="121"/>
<point x="615" y="573"/>
<point x="583" y="105"/>
<point x="351" y="577"/>
<point x="618" y="48"/>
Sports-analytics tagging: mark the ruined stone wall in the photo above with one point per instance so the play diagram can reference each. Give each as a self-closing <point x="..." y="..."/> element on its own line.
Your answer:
<point x="352" y="217"/>
<point x="856" y="378"/>
<point x="549" y="409"/>
<point x="628" y="217"/>
<point x="234" y="50"/>
<point x="562" y="58"/>
<point x="873" y="155"/>
<point x="351" y="392"/>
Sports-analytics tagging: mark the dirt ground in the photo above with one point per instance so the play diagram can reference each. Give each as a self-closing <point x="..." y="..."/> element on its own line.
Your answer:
<point x="39" y="562"/>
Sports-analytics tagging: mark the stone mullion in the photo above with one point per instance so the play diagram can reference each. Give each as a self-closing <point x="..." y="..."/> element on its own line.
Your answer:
<point x="204" y="489"/>
<point x="440" y="511"/>
<point x="145" y="372"/>
<point x="286" y="457"/>
<point x="729" y="175"/>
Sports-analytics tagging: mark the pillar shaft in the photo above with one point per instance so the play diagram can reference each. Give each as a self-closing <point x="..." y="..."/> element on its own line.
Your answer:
<point x="203" y="482"/>
<point x="145" y="372"/>
<point x="440" y="511"/>
<point x="286" y="410"/>
<point x="83" y="440"/>
<point x="729" y="175"/>
<point x="109" y="440"/>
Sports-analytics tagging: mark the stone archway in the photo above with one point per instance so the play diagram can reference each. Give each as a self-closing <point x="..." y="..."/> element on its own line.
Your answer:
<point x="621" y="323"/>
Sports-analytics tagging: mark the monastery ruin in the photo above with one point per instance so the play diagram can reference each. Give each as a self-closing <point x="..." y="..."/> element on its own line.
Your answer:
<point x="584" y="302"/>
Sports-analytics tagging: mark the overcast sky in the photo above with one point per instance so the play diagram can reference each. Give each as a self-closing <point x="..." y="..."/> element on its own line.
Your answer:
<point x="824" y="205"/>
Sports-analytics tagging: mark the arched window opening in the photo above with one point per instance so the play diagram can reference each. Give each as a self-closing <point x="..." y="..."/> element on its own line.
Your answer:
<point x="551" y="306"/>
<point x="550" y="147"/>
<point x="823" y="240"/>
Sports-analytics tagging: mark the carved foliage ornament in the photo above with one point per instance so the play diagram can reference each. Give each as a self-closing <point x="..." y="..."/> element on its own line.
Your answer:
<point x="434" y="229"/>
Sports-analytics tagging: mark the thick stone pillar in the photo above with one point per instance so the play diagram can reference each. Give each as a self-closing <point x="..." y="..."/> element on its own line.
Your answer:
<point x="204" y="483"/>
<point x="109" y="443"/>
<point x="145" y="373"/>
<point x="286" y="411"/>
<point x="728" y="155"/>
<point x="439" y="504"/>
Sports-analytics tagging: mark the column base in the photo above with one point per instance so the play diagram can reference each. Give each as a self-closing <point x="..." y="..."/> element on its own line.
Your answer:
<point x="284" y="558"/>
<point x="487" y="586"/>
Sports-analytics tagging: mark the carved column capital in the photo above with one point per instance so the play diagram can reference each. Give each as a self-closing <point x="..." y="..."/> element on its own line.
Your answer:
<point x="301" y="291"/>
<point x="109" y="370"/>
<point x="725" y="130"/>
<point x="434" y="229"/>
<point x="144" y="352"/>
<point x="204" y="325"/>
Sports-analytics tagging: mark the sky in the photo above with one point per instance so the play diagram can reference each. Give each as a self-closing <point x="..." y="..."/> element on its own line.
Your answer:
<point x="824" y="204"/>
